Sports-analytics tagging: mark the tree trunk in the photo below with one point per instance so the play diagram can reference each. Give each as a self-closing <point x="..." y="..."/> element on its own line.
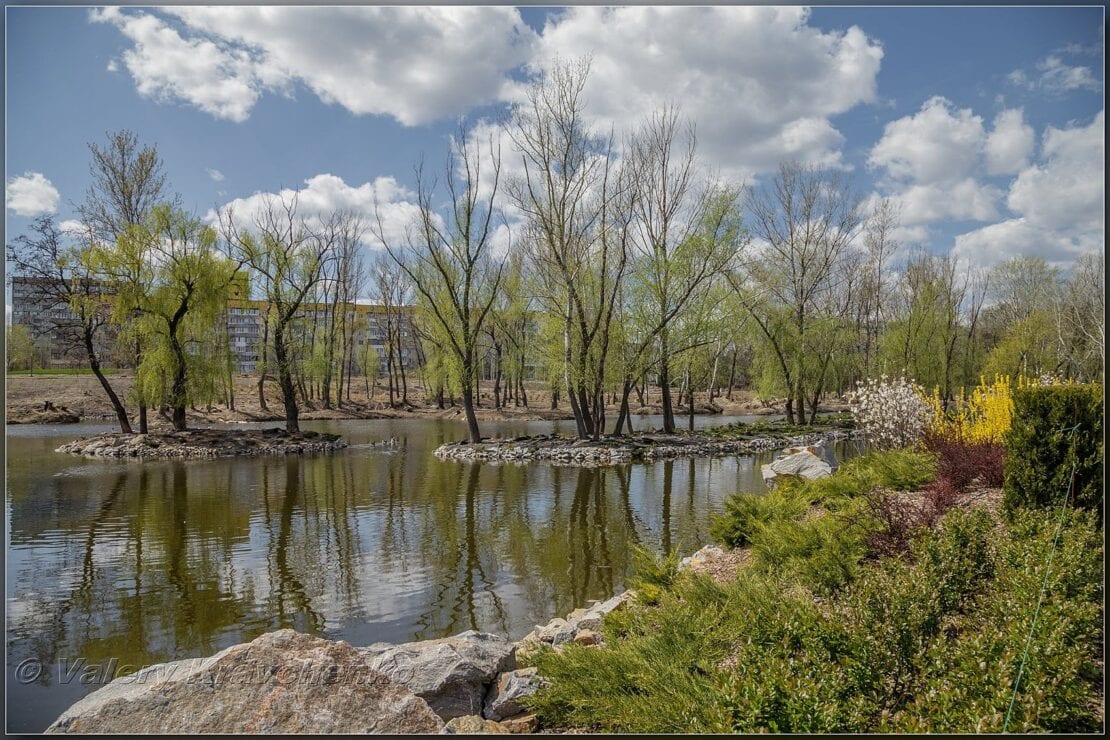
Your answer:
<point x="731" y="375"/>
<point x="468" y="401"/>
<point x="94" y="365"/>
<point x="285" y="380"/>
<point x="690" y="401"/>
<point x="665" y="385"/>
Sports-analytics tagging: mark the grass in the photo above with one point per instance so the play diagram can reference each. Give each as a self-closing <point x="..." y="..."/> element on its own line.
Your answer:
<point x="812" y="638"/>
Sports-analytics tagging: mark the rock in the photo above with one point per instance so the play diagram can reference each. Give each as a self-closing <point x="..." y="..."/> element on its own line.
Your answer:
<point x="451" y="674"/>
<point x="587" y="637"/>
<point x="803" y="464"/>
<point x="596" y="613"/>
<point x="512" y="686"/>
<point x="472" y="724"/>
<point x="556" y="631"/>
<point x="706" y="553"/>
<point x="282" y="682"/>
<point x="521" y="724"/>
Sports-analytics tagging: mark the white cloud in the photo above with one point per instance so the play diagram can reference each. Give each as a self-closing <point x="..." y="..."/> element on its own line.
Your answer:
<point x="113" y="65"/>
<point x="1068" y="187"/>
<point x="1059" y="203"/>
<point x="929" y="162"/>
<point x="1052" y="74"/>
<point x="72" y="227"/>
<point x="959" y="200"/>
<point x="218" y="80"/>
<point x="1009" y="144"/>
<point x="939" y="143"/>
<point x="31" y="194"/>
<point x="215" y="174"/>
<point x="325" y="193"/>
<point x="759" y="81"/>
<point x="416" y="64"/>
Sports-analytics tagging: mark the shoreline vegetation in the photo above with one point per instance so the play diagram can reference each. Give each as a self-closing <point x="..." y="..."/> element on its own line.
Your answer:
<point x="834" y="635"/>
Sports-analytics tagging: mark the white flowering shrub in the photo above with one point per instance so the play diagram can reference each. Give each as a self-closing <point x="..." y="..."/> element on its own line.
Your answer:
<point x="893" y="413"/>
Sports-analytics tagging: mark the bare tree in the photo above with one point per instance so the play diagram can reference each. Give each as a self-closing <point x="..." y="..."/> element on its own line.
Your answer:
<point x="64" y="276"/>
<point x="289" y="255"/>
<point x="577" y="240"/>
<point x="451" y="264"/>
<point x="807" y="219"/>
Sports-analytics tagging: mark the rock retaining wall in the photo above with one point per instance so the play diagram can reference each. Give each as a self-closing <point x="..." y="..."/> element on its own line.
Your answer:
<point x="615" y="452"/>
<point x="203" y="443"/>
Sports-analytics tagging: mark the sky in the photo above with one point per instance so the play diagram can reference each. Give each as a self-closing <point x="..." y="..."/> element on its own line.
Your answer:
<point x="985" y="125"/>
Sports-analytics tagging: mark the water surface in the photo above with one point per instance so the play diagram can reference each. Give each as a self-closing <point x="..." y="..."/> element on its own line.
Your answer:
<point x="114" y="565"/>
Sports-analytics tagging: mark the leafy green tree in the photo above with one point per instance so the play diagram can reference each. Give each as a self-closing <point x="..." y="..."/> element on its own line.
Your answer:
<point x="288" y="255"/>
<point x="181" y="292"/>
<point x="21" y="348"/>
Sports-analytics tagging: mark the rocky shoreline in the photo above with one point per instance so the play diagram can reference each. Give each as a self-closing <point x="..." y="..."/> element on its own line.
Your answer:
<point x="203" y="443"/>
<point x="291" y="682"/>
<point x="619" y="450"/>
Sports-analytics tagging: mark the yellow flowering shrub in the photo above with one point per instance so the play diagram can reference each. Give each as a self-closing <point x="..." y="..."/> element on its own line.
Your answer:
<point x="985" y="414"/>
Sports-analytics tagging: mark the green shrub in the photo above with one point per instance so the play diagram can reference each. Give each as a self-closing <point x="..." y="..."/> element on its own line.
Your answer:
<point x="931" y="643"/>
<point x="652" y="573"/>
<point x="745" y="513"/>
<point x="1040" y="449"/>
<point x="967" y="680"/>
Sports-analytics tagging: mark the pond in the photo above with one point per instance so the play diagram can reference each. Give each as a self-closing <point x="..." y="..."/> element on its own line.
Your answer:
<point x="115" y="565"/>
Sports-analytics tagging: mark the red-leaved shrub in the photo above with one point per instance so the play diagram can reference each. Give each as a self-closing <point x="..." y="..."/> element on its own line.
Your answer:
<point x="900" y="515"/>
<point x="962" y="463"/>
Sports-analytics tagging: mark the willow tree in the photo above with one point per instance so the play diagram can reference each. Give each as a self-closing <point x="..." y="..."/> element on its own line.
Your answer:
<point x="181" y="291"/>
<point x="288" y="254"/>
<point x="128" y="182"/>
<point x="450" y="259"/>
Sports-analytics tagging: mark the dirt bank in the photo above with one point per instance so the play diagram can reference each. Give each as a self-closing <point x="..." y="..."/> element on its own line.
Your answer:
<point x="80" y="398"/>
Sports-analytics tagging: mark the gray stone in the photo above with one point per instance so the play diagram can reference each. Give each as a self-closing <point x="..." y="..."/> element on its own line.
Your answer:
<point x="803" y="464"/>
<point x="512" y="686"/>
<point x="596" y="614"/>
<point x="282" y="682"/>
<point x="557" y="629"/>
<point x="451" y="674"/>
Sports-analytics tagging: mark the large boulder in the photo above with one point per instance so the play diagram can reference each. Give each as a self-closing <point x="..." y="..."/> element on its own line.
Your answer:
<point x="802" y="463"/>
<point x="282" y="682"/>
<point x="451" y="674"/>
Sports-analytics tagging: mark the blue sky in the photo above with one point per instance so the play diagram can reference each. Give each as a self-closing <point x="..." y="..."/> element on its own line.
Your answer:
<point x="985" y="124"/>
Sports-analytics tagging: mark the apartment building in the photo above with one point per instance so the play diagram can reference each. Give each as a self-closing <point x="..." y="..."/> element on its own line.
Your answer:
<point x="53" y="324"/>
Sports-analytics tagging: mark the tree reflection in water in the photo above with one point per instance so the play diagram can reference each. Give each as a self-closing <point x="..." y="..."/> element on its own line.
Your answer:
<point x="158" y="561"/>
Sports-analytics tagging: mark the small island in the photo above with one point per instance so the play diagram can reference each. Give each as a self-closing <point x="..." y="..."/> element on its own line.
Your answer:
<point x="730" y="439"/>
<point x="204" y="443"/>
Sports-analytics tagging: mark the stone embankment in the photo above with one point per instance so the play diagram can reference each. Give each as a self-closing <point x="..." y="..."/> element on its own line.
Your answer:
<point x="615" y="451"/>
<point x="203" y="443"/>
<point x="290" y="682"/>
